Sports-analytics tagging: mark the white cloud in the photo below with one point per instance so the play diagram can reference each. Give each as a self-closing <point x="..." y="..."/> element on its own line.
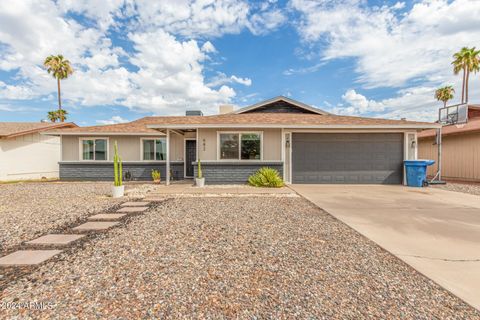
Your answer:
<point x="389" y="48"/>
<point x="102" y="13"/>
<point x="408" y="50"/>
<point x="222" y="78"/>
<point x="170" y="76"/>
<point x="18" y="92"/>
<point x="413" y="103"/>
<point x="360" y="103"/>
<point x="113" y="120"/>
<point x="193" y="18"/>
<point x="208" y="47"/>
<point x="163" y="75"/>
<point x="263" y="22"/>
<point x="305" y="70"/>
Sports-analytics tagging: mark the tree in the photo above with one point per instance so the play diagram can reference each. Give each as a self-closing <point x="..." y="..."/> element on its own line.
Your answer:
<point x="444" y="94"/>
<point x="55" y="115"/>
<point x="466" y="60"/>
<point x="62" y="114"/>
<point x="52" y="116"/>
<point x="60" y="69"/>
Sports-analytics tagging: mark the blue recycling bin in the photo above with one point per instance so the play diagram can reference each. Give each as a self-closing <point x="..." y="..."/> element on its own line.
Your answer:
<point x="417" y="172"/>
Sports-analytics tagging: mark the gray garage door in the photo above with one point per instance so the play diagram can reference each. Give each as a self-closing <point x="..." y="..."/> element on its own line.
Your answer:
<point x="347" y="158"/>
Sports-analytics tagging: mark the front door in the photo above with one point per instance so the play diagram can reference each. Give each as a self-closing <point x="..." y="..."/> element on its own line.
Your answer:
<point x="190" y="156"/>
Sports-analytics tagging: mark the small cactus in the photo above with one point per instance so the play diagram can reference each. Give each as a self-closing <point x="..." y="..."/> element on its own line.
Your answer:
<point x="117" y="167"/>
<point x="199" y="173"/>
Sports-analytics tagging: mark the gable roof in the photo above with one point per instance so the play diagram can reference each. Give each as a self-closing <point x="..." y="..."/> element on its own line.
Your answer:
<point x="295" y="103"/>
<point x="15" y="129"/>
<point x="150" y="125"/>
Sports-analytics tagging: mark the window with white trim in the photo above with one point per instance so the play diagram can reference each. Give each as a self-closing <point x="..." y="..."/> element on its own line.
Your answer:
<point x="154" y="149"/>
<point x="95" y="149"/>
<point x="240" y="146"/>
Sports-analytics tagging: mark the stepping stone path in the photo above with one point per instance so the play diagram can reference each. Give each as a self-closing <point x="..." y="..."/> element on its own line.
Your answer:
<point x="34" y="257"/>
<point x="95" y="226"/>
<point x="107" y="216"/>
<point x="27" y="257"/>
<point x="132" y="209"/>
<point x="56" y="239"/>
<point x="135" y="204"/>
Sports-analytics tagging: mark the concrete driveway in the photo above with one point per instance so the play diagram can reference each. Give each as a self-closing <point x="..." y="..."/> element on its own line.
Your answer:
<point x="435" y="231"/>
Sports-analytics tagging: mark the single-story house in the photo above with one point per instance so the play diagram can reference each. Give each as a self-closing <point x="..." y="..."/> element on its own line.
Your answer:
<point x="460" y="148"/>
<point x="27" y="154"/>
<point x="305" y="144"/>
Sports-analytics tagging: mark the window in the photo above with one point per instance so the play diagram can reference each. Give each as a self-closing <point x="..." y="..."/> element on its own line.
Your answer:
<point x="154" y="149"/>
<point x="228" y="146"/>
<point x="240" y="146"/>
<point x="94" y="149"/>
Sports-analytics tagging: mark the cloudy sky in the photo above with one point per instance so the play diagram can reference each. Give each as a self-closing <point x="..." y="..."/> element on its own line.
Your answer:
<point x="134" y="58"/>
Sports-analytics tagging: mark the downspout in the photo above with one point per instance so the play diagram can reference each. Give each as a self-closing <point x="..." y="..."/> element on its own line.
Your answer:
<point x="167" y="169"/>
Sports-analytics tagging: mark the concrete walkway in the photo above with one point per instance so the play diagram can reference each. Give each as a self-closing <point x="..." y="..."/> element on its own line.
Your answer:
<point x="435" y="231"/>
<point x="214" y="190"/>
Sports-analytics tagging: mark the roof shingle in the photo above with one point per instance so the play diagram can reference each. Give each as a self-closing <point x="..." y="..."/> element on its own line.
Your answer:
<point x="14" y="129"/>
<point x="252" y="120"/>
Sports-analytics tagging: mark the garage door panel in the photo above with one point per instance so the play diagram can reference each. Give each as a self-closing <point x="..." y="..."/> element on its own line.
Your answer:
<point x="347" y="158"/>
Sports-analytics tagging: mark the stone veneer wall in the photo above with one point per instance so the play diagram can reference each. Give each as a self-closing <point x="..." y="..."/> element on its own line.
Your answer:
<point x="233" y="172"/>
<point x="104" y="171"/>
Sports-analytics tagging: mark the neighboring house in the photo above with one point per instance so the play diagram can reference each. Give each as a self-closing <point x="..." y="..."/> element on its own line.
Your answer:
<point x="460" y="148"/>
<point x="25" y="153"/>
<point x="305" y="144"/>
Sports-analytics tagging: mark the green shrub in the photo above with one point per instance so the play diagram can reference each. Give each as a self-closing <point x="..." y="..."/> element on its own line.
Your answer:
<point x="155" y="175"/>
<point x="266" y="177"/>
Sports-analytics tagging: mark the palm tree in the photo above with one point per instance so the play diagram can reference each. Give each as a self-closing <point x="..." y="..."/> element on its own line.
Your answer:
<point x="60" y="68"/>
<point x="55" y="115"/>
<point x="466" y="60"/>
<point x="475" y="66"/>
<point x="62" y="114"/>
<point x="52" y="116"/>
<point x="459" y="65"/>
<point x="444" y="94"/>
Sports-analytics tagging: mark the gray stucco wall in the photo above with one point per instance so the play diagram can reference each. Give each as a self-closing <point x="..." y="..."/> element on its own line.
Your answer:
<point x="104" y="171"/>
<point x="233" y="172"/>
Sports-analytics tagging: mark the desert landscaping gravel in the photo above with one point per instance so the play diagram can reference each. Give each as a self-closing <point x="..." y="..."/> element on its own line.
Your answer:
<point x="250" y="258"/>
<point x="461" y="187"/>
<point x="28" y="210"/>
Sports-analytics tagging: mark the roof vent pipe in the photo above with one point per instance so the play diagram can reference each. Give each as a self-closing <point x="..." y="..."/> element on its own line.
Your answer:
<point x="193" y="113"/>
<point x="225" y="108"/>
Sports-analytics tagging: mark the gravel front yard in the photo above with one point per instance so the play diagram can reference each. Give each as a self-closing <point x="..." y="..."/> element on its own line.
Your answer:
<point x="28" y="210"/>
<point x="249" y="258"/>
<point x="460" y="187"/>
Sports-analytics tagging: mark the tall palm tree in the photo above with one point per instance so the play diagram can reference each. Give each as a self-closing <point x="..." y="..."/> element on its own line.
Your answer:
<point x="466" y="60"/>
<point x="444" y="94"/>
<point x="459" y="65"/>
<point x="60" y="68"/>
<point x="475" y="62"/>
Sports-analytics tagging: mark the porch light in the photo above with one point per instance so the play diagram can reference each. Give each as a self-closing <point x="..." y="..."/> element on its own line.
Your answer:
<point x="203" y="143"/>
